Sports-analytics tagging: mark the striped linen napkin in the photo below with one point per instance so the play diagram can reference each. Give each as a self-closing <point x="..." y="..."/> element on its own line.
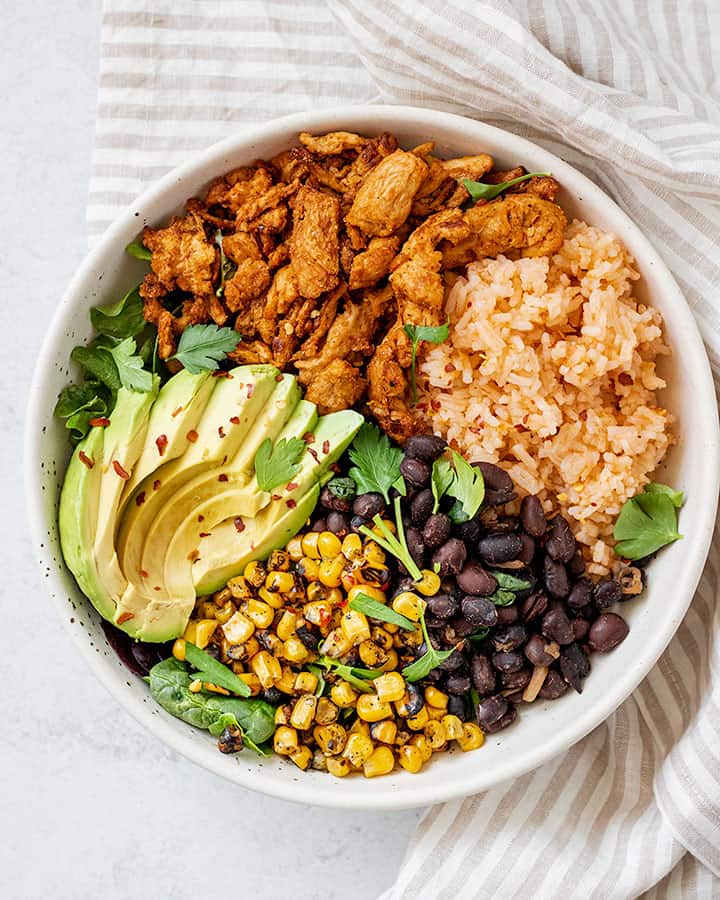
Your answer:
<point x="628" y="91"/>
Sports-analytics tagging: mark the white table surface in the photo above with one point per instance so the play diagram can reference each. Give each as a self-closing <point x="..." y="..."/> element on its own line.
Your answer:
<point x="92" y="806"/>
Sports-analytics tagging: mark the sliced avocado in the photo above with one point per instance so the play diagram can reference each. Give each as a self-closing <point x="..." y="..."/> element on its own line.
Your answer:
<point x="227" y="550"/>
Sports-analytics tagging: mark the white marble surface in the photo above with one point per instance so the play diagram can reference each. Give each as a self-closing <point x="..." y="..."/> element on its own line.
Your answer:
<point x="92" y="806"/>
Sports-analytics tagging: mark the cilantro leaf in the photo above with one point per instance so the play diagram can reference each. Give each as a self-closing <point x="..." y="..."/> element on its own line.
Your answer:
<point x="121" y="319"/>
<point x="342" y="488"/>
<point x="433" y="334"/>
<point x="430" y="660"/>
<point x="502" y="597"/>
<point x="377" y="462"/>
<point x="203" y="347"/>
<point x="467" y="487"/>
<point x="677" y="497"/>
<point x="377" y="610"/>
<point x="509" y="582"/>
<point x="227" y="268"/>
<point x="647" y="522"/>
<point x="131" y="371"/>
<point x="275" y="465"/>
<point x="478" y="190"/>
<point x="214" y="672"/>
<point x="138" y="250"/>
<point x="442" y="477"/>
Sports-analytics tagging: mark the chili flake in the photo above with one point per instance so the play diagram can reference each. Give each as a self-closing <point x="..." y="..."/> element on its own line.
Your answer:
<point x="100" y="422"/>
<point x="222" y="477"/>
<point x="120" y="471"/>
<point x="85" y="460"/>
<point x="161" y="443"/>
<point x="291" y="504"/>
<point x="234" y="420"/>
<point x="239" y="525"/>
<point x="125" y="617"/>
<point x="156" y="484"/>
<point x="140" y="499"/>
<point x="192" y="435"/>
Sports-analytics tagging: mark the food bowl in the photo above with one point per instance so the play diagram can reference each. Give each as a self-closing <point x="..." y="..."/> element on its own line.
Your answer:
<point x="544" y="729"/>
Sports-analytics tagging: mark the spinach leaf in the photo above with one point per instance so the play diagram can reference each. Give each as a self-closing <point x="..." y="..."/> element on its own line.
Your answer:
<point x="479" y="635"/>
<point x="138" y="250"/>
<point x="430" y="660"/>
<point x="647" y="522"/>
<point x="213" y="672"/>
<point x="376" y="610"/>
<point x="97" y="361"/>
<point x="478" y="190"/>
<point x="433" y="334"/>
<point x="121" y="319"/>
<point x="502" y="598"/>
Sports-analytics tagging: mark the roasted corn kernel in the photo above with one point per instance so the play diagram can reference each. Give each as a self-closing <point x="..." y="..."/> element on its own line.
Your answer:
<point x="251" y="680"/>
<point x="294" y="548"/>
<point x="429" y="584"/>
<point x="380" y="762"/>
<point x="330" y="573"/>
<point x="408" y="605"/>
<point x="310" y="544"/>
<point x="391" y="662"/>
<point x="319" y="612"/>
<point x="390" y="687"/>
<point x="179" y="649"/>
<point x="374" y="554"/>
<point x="336" y="644"/>
<point x="303" y="712"/>
<point x="355" y="626"/>
<point x="363" y="589"/>
<point x="331" y="739"/>
<point x="384" y="731"/>
<point x="199" y="631"/>
<point x="255" y="573"/>
<point x="371" y="654"/>
<point x="279" y="582"/>
<point x="472" y="737"/>
<point x="352" y="546"/>
<point x="238" y="628"/>
<point x="342" y="694"/>
<point x="279" y="561"/>
<point x="305" y="683"/>
<point x="338" y="766"/>
<point x="225" y="612"/>
<point x="329" y="545"/>
<point x="326" y="712"/>
<point x="418" y="721"/>
<point x="309" y="568"/>
<point x="272" y="598"/>
<point x="434" y="731"/>
<point x="422" y="744"/>
<point x="302" y="757"/>
<point x="267" y="668"/>
<point x="285" y="740"/>
<point x="286" y="683"/>
<point x="358" y="749"/>
<point x="239" y="588"/>
<point x="371" y="709"/>
<point x="294" y="650"/>
<point x="436" y="698"/>
<point x="261" y="613"/>
<point x="410" y="758"/>
<point x="287" y="625"/>
<point x="453" y="727"/>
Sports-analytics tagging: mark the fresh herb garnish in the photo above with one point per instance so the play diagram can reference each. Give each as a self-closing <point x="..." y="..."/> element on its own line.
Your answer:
<point x="227" y="268"/>
<point x="318" y="673"/>
<point x="121" y="319"/>
<point x="647" y="522"/>
<point x="442" y="477"/>
<point x="98" y="363"/>
<point x="433" y="334"/>
<point x="81" y="404"/>
<point x="478" y="190"/>
<point x="468" y="489"/>
<point x="376" y="610"/>
<point x="342" y="488"/>
<point x="479" y="635"/>
<point x="355" y="676"/>
<point x="395" y="545"/>
<point x="138" y="250"/>
<point x="275" y="465"/>
<point x="430" y="660"/>
<point x="213" y="672"/>
<point x="203" y="347"/>
<point x="502" y="597"/>
<point x="677" y="497"/>
<point x="130" y="367"/>
<point x="377" y="462"/>
<point x="510" y="582"/>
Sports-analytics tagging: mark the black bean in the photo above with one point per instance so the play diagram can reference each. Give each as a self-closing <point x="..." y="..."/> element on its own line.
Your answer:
<point x="307" y="637"/>
<point x="493" y="522"/>
<point x="607" y="631"/>
<point x="482" y="674"/>
<point x="357" y="522"/>
<point x="532" y="516"/>
<point x="561" y="541"/>
<point x="505" y="720"/>
<point x="536" y="653"/>
<point x="556" y="579"/>
<point x="534" y="606"/>
<point x="508" y="614"/>
<point x="495" y="478"/>
<point x="368" y="505"/>
<point x="527" y="553"/>
<point x="454" y="662"/>
<point x="515" y="681"/>
<point x="436" y="530"/>
<point x="606" y="594"/>
<point x="576" y="566"/>
<point x="416" y="545"/>
<point x="330" y="501"/>
<point x="498" y="498"/>
<point x="581" y="594"/>
<point x="473" y="579"/>
<point x="462" y="627"/>
<point x="479" y="611"/>
<point x="508" y="660"/>
<point x="554" y="686"/>
<point x="457" y="683"/>
<point x="450" y="558"/>
<point x="468" y="531"/>
<point x="415" y="699"/>
<point x="580" y="628"/>
<point x="574" y="666"/>
<point x="443" y="606"/>
<point x="272" y="695"/>
<point x="415" y="471"/>
<point x="500" y="548"/>
<point x="433" y="623"/>
<point x="556" y="626"/>
<point x="421" y="507"/>
<point x="494" y="714"/>
<point x="509" y="637"/>
<point x="424" y="446"/>
<point x="319" y="525"/>
<point x="337" y="522"/>
<point x="457" y="706"/>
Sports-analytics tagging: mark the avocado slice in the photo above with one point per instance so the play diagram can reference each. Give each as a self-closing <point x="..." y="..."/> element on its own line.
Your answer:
<point x="226" y="551"/>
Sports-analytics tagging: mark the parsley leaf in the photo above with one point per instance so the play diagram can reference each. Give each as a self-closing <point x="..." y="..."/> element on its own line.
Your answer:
<point x="510" y="582"/>
<point x="121" y="319"/>
<point x="430" y="660"/>
<point x="203" y="347"/>
<point x="214" y="672"/>
<point x="138" y="250"/>
<point x="502" y="597"/>
<point x="227" y="268"/>
<point x="433" y="334"/>
<point x="647" y="522"/>
<point x="277" y="464"/>
<point x="442" y="477"/>
<point x="677" y="497"/>
<point x="377" y="610"/>
<point x="478" y="190"/>
<point x="468" y="488"/>
<point x="131" y="371"/>
<point x="377" y="462"/>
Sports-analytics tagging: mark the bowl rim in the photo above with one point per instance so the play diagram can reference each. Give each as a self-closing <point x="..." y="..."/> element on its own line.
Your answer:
<point x="429" y="790"/>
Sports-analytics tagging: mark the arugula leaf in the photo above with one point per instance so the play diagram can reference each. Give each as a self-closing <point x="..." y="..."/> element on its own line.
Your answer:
<point x="342" y="488"/>
<point x="277" y="464"/>
<point x="97" y="361"/>
<point x="468" y="488"/>
<point x="227" y="268"/>
<point x="478" y="190"/>
<point x="396" y="546"/>
<point x="203" y="347"/>
<point x="131" y="372"/>
<point x="430" y="660"/>
<point x="647" y="522"/>
<point x="433" y="334"/>
<point x="214" y="672"/>
<point x="502" y="598"/>
<point x="376" y="610"/>
<point x="442" y="477"/>
<point x="510" y="582"/>
<point x="121" y="319"/>
<point x="677" y="497"/>
<point x="355" y="676"/>
<point x="138" y="250"/>
<point x="377" y="462"/>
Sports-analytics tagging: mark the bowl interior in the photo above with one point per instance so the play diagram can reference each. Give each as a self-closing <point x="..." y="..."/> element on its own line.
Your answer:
<point x="543" y="729"/>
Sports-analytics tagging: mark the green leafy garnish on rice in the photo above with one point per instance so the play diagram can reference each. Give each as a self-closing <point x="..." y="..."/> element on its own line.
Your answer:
<point x="648" y="522"/>
<point x="478" y="190"/>
<point x="433" y="334"/>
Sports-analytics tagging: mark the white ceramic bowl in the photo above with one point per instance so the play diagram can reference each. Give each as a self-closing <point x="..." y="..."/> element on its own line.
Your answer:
<point x="542" y="730"/>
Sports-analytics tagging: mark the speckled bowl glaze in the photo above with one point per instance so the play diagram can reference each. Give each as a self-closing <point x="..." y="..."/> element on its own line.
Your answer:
<point x="543" y="730"/>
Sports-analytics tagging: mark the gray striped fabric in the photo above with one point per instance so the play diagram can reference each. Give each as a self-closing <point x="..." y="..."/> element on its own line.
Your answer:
<point x="628" y="91"/>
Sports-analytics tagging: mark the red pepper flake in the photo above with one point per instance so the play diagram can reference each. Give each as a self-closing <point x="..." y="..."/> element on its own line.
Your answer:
<point x="520" y="428"/>
<point x="156" y="484"/>
<point x="250" y="390"/>
<point x="309" y="437"/>
<point x="85" y="460"/>
<point x="623" y="378"/>
<point x="125" y="617"/>
<point x="219" y="373"/>
<point x="276" y="496"/>
<point x="201" y="518"/>
<point x="343" y="603"/>
<point x="234" y="420"/>
<point x="192" y="435"/>
<point x="144" y="573"/>
<point x="194" y="555"/>
<point x="221" y="431"/>
<point x="239" y="525"/>
<point x="177" y="411"/>
<point x="291" y="486"/>
<point x="100" y="422"/>
<point x="449" y="367"/>
<point x="161" y="443"/>
<point x="291" y="504"/>
<point x="224" y="460"/>
<point x="222" y="477"/>
<point x="582" y="415"/>
<point x="205" y="533"/>
<point x="120" y="471"/>
<point x="326" y="447"/>
<point x="435" y="405"/>
<point x="140" y="499"/>
<point x="314" y="455"/>
<point x="278" y="378"/>
<point x="157" y="588"/>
